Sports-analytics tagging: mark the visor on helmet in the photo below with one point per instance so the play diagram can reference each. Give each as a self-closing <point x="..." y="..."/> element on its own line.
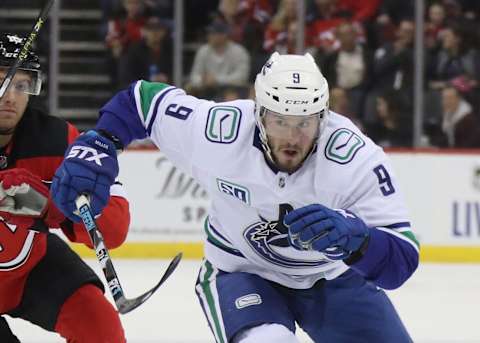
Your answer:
<point x="27" y="81"/>
<point x="283" y="126"/>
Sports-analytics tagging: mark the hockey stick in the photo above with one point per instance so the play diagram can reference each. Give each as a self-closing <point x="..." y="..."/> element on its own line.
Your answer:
<point x="42" y="17"/>
<point x="123" y="304"/>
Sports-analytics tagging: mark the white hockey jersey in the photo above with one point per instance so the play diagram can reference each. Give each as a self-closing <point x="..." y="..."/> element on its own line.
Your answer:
<point x="219" y="145"/>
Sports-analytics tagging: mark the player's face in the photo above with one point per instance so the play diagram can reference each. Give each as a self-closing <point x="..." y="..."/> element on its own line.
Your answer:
<point x="290" y="138"/>
<point x="14" y="101"/>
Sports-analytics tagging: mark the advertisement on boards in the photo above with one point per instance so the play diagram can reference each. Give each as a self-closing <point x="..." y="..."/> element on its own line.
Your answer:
<point x="165" y="203"/>
<point x="442" y="192"/>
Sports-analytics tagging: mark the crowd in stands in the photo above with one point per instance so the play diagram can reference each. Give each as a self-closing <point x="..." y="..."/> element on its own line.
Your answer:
<point x="365" y="49"/>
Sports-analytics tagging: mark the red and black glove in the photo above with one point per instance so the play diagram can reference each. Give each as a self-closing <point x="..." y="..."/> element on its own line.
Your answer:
<point x="23" y="196"/>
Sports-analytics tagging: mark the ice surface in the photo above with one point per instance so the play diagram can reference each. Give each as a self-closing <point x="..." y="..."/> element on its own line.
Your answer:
<point x="439" y="304"/>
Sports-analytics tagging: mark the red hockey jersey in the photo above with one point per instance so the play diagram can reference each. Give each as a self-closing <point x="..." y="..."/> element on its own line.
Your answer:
<point x="38" y="145"/>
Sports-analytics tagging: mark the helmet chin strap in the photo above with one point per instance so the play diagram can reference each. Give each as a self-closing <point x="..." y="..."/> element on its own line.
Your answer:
<point x="7" y="132"/>
<point x="263" y="135"/>
<point x="268" y="152"/>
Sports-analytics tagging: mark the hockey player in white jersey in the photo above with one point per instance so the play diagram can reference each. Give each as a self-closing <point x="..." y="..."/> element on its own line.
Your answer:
<point x="307" y="223"/>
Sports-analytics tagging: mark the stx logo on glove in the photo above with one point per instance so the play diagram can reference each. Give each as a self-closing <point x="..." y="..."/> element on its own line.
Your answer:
<point x="82" y="152"/>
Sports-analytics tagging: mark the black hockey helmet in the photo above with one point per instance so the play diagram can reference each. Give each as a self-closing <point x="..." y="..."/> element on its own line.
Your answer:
<point x="10" y="47"/>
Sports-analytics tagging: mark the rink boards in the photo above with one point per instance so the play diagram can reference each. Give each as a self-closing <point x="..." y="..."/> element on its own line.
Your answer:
<point x="441" y="188"/>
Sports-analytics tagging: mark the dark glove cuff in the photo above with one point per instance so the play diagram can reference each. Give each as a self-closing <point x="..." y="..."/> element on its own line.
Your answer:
<point x="357" y="255"/>
<point x="116" y="141"/>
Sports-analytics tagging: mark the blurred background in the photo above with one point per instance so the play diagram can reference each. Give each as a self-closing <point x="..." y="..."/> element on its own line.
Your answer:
<point x="405" y="71"/>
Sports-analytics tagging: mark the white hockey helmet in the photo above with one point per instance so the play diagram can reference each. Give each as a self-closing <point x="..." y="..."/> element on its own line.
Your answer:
<point x="290" y="85"/>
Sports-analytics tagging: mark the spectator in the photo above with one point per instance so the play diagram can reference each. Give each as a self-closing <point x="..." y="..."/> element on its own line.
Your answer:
<point x="390" y="15"/>
<point x="353" y="10"/>
<point x="456" y="62"/>
<point x="392" y="69"/>
<point x="392" y="12"/>
<point x="277" y="32"/>
<point x="151" y="58"/>
<point x="320" y="10"/>
<point x="358" y="10"/>
<point x="126" y="29"/>
<point x="394" y="125"/>
<point x="460" y="127"/>
<point x="110" y="10"/>
<point x="219" y="62"/>
<point x="340" y="103"/>
<point x="349" y="67"/>
<point x="322" y="21"/>
<point x="434" y="25"/>
<point x="393" y="62"/>
<point x="247" y="20"/>
<point x="454" y="10"/>
<point x="123" y="31"/>
<point x="260" y="10"/>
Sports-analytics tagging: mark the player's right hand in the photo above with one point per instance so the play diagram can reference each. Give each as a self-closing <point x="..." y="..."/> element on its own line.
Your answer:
<point x="22" y="194"/>
<point x="90" y="167"/>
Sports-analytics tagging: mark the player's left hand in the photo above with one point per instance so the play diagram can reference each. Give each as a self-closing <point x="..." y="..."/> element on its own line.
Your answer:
<point x="335" y="233"/>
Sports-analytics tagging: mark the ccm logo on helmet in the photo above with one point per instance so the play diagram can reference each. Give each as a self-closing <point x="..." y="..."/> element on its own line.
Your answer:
<point x="296" y="102"/>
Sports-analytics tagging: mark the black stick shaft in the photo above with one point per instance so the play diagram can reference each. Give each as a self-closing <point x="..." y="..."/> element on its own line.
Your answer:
<point x="42" y="17"/>
<point x="123" y="304"/>
<point x="101" y="250"/>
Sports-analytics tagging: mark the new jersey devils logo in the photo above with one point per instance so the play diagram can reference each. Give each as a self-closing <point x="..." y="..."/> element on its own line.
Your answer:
<point x="269" y="239"/>
<point x="15" y="246"/>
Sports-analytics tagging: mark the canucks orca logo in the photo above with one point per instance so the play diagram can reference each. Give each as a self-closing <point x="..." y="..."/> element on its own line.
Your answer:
<point x="270" y="238"/>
